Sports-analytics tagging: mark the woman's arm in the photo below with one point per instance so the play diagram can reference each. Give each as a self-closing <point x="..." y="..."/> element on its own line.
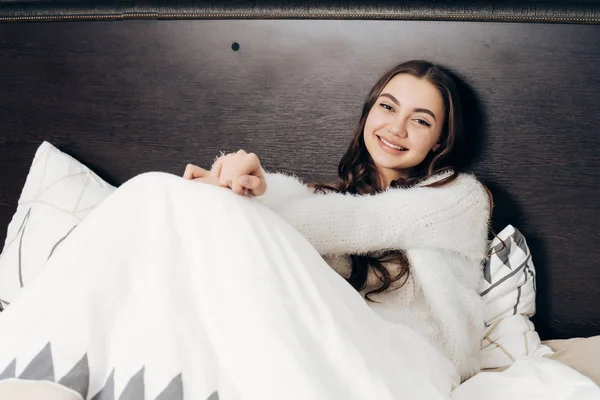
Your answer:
<point x="452" y="217"/>
<point x="283" y="189"/>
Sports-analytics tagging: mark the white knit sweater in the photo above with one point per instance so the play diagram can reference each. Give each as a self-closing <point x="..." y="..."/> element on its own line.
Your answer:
<point x="443" y="231"/>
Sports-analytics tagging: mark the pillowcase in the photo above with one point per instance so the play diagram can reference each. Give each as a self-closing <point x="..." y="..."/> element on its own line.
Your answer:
<point x="508" y="291"/>
<point x="58" y="194"/>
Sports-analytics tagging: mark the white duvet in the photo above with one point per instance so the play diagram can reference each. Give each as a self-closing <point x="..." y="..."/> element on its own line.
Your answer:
<point x="529" y="378"/>
<point x="176" y="290"/>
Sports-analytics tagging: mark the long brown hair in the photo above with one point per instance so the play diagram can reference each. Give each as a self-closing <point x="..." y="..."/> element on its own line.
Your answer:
<point x="357" y="174"/>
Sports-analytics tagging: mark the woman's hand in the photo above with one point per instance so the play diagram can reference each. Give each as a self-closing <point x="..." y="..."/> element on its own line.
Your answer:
<point x="195" y="173"/>
<point x="241" y="172"/>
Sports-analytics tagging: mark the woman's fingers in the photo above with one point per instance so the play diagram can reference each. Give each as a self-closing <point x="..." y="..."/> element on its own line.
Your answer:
<point x="223" y="169"/>
<point x="253" y="185"/>
<point x="211" y="180"/>
<point x="224" y="172"/>
<point x="250" y="182"/>
<point x="244" y="185"/>
<point x="193" y="171"/>
<point x="217" y="166"/>
<point x="237" y="187"/>
<point x="241" y="172"/>
<point x="187" y="173"/>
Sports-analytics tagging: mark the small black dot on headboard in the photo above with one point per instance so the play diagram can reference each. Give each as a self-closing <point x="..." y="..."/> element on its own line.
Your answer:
<point x="235" y="46"/>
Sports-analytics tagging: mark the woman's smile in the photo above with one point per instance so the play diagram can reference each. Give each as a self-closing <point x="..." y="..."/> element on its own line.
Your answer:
<point x="390" y="147"/>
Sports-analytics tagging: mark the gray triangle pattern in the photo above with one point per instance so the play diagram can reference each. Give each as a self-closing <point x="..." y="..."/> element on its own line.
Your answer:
<point x="532" y="273"/>
<point x="78" y="378"/>
<point x="214" y="396"/>
<point x="487" y="273"/>
<point x="41" y="368"/>
<point x="134" y="390"/>
<point x="173" y="391"/>
<point x="504" y="253"/>
<point x="9" y="371"/>
<point x="520" y="241"/>
<point x="108" y="391"/>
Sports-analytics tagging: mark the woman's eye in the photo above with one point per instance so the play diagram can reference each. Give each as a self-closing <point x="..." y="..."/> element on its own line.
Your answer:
<point x="387" y="107"/>
<point x="423" y="122"/>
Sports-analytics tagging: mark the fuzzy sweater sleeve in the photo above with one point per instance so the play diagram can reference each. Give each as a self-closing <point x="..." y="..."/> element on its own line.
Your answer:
<point x="282" y="189"/>
<point x="452" y="217"/>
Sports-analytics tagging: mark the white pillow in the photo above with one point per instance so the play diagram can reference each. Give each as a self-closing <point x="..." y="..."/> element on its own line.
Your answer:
<point x="508" y="291"/>
<point x="58" y="194"/>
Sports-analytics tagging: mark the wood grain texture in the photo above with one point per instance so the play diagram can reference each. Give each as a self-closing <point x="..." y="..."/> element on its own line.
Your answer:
<point x="547" y="11"/>
<point x="133" y="96"/>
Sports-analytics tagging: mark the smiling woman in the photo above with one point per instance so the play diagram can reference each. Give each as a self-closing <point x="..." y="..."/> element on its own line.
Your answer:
<point x="398" y="163"/>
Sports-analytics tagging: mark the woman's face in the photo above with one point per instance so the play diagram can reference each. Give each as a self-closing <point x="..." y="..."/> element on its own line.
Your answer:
<point x="403" y="126"/>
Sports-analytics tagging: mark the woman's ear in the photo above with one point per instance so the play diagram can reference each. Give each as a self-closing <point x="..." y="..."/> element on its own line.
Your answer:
<point x="435" y="147"/>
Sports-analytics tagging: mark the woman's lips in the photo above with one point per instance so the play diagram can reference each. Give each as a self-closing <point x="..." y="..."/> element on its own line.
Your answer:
<point x="390" y="147"/>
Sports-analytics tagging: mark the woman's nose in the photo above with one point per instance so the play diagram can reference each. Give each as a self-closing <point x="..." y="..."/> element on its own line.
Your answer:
<point x="398" y="128"/>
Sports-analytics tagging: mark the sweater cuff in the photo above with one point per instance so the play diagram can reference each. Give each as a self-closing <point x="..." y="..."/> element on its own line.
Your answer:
<point x="282" y="189"/>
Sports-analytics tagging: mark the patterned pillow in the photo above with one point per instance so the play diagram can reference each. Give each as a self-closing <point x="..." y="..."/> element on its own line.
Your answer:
<point x="508" y="290"/>
<point x="58" y="194"/>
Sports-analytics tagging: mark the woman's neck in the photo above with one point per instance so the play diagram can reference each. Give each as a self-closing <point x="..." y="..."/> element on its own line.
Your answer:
<point x="386" y="177"/>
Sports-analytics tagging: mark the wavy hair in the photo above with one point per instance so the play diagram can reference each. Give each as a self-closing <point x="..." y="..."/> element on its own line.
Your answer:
<point x="357" y="173"/>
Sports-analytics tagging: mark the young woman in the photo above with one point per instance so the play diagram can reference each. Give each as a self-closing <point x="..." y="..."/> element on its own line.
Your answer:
<point x="414" y="253"/>
<point x="172" y="289"/>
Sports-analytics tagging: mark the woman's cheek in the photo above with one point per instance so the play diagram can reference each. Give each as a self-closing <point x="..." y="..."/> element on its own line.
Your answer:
<point x="376" y="120"/>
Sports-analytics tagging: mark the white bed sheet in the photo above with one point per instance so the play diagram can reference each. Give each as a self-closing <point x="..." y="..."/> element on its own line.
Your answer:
<point x="529" y="378"/>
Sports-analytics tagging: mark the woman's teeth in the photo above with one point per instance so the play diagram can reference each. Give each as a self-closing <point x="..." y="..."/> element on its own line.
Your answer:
<point x="393" y="146"/>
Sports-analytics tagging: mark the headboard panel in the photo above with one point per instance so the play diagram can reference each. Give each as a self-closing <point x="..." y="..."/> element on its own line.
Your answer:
<point x="130" y="96"/>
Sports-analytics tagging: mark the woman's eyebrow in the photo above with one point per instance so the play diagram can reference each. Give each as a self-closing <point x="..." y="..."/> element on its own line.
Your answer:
<point x="389" y="96"/>
<point x="395" y="100"/>
<point x="426" y="111"/>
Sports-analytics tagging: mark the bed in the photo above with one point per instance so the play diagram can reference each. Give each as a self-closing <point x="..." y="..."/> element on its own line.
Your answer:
<point x="130" y="88"/>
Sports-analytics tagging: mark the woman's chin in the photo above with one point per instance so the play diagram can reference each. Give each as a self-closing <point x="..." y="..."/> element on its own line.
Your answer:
<point x="389" y="162"/>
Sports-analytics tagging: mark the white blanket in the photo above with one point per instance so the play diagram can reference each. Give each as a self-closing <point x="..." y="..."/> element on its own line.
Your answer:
<point x="172" y="289"/>
<point x="529" y="378"/>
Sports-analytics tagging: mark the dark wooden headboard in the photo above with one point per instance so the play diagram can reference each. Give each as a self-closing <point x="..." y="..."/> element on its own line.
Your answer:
<point x="127" y="89"/>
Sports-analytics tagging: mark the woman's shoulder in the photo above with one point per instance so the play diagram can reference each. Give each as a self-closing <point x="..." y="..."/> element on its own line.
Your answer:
<point x="463" y="187"/>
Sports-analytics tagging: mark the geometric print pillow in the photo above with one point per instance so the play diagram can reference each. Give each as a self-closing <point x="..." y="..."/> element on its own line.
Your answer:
<point x="508" y="284"/>
<point x="58" y="194"/>
<point x="508" y="290"/>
